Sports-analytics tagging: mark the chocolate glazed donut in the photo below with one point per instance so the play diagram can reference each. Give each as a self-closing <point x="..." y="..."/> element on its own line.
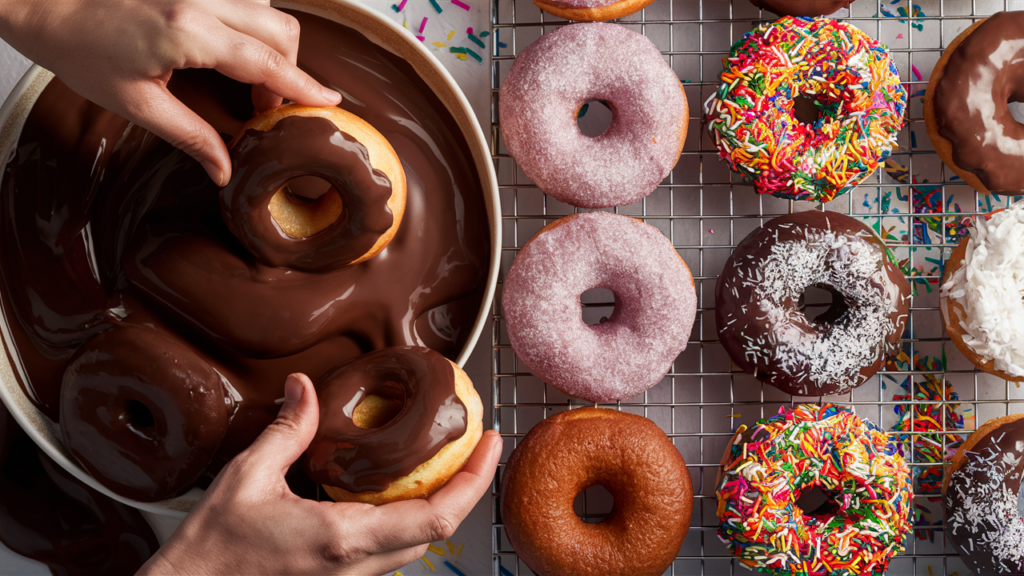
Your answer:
<point x="142" y="412"/>
<point x="262" y="163"/>
<point x="802" y="7"/>
<point x="627" y="454"/>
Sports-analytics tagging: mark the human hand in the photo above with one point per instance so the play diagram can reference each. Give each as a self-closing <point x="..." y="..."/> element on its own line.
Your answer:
<point x="250" y="522"/>
<point x="121" y="53"/>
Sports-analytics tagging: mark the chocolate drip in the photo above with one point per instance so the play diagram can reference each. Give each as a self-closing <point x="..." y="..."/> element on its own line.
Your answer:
<point x="264" y="162"/>
<point x="103" y="224"/>
<point x="360" y="460"/>
<point x="802" y="7"/>
<point x="49" y="516"/>
<point x="984" y="74"/>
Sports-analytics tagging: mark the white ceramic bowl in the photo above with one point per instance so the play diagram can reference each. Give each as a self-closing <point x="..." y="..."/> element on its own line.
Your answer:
<point x="380" y="31"/>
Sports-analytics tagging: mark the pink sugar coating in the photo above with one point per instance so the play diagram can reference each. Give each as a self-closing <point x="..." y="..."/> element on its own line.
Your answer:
<point x="655" y="306"/>
<point x="555" y="76"/>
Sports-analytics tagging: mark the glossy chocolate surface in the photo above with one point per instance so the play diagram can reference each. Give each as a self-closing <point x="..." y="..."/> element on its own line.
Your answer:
<point x="984" y="74"/>
<point x="802" y="7"/>
<point x="264" y="162"/>
<point x="105" y="224"/>
<point x="49" y="516"/>
<point x="360" y="460"/>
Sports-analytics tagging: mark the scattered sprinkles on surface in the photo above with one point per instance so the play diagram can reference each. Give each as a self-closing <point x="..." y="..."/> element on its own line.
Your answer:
<point x="856" y="90"/>
<point x="850" y="459"/>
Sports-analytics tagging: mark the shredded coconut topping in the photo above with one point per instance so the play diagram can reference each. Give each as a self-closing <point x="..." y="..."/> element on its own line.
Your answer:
<point x="990" y="287"/>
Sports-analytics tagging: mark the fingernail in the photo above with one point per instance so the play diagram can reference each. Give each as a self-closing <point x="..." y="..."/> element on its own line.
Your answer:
<point x="216" y="174"/>
<point x="293" y="389"/>
<point x="331" y="95"/>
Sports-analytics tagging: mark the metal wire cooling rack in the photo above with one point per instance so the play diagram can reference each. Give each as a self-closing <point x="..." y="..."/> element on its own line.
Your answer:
<point x="918" y="206"/>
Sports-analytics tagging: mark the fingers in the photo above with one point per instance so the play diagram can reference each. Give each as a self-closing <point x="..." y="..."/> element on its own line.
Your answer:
<point x="154" y="108"/>
<point x="289" y="435"/>
<point x="410" y="523"/>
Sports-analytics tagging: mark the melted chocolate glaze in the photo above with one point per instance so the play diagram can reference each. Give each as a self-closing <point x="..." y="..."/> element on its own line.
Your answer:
<point x="264" y="162"/>
<point x="802" y="7"/>
<point x="105" y="224"/>
<point x="49" y="516"/>
<point x="984" y="74"/>
<point x="360" y="460"/>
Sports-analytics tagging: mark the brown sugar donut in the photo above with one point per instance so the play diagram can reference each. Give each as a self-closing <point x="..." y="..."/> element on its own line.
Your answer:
<point x="627" y="454"/>
<point x="313" y="189"/>
<point x="142" y="413"/>
<point x="395" y="424"/>
<point x="965" y="107"/>
<point x="591" y="10"/>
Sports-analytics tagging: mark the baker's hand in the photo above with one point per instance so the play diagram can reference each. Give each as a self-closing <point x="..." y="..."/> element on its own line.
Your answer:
<point x="249" y="522"/>
<point x="121" y="53"/>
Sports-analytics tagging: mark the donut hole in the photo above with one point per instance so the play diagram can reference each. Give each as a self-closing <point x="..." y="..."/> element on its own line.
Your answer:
<point x="805" y="110"/>
<point x="822" y="304"/>
<point x="594" y="504"/>
<point x="594" y="117"/>
<point x="377" y="409"/>
<point x="816" y="503"/>
<point x="597" y="305"/>
<point x="305" y="205"/>
<point x="139" y="418"/>
<point x="1016" y="106"/>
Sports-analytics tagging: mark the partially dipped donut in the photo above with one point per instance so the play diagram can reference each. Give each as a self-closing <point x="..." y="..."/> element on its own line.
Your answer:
<point x="758" y="295"/>
<point x="802" y="7"/>
<point x="591" y="10"/>
<point x="142" y="413"/>
<point x="395" y="424"/>
<point x="313" y="189"/>
<point x="655" y="306"/>
<point x="573" y="450"/>
<point x="555" y="76"/>
<point x="966" y="107"/>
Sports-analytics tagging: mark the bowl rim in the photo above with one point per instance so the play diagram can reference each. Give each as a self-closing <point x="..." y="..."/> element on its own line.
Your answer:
<point x="14" y="112"/>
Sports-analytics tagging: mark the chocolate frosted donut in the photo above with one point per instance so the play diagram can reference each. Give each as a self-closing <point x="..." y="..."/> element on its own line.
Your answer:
<point x="981" y="495"/>
<point x="758" y="295"/>
<point x="346" y="224"/>
<point x="802" y="7"/>
<point x="395" y="424"/>
<point x="966" y="104"/>
<point x="573" y="450"/>
<point x="142" y="413"/>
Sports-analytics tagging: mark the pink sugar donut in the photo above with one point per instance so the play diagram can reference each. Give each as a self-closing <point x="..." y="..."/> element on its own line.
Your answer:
<point x="655" y="305"/>
<point x="551" y="80"/>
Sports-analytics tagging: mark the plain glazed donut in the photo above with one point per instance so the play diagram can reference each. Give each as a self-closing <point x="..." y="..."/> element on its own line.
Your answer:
<point x="395" y="424"/>
<point x="591" y="10"/>
<point x="574" y="450"/>
<point x="965" y="107"/>
<point x="981" y="291"/>
<point x="980" y="498"/>
<point x="158" y="412"/>
<point x="757" y="310"/>
<point x="655" y="306"/>
<point x="802" y="7"/>
<point x="555" y="76"/>
<point x="855" y="90"/>
<point x="345" y="214"/>
<point x="864" y="523"/>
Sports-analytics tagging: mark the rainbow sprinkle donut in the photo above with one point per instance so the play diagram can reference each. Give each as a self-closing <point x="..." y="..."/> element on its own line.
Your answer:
<point x="853" y="84"/>
<point x="862" y="526"/>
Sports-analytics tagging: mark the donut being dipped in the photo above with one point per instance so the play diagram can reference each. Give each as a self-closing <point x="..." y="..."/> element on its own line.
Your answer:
<point x="591" y="10"/>
<point x="549" y="83"/>
<point x="313" y="189"/>
<point x="573" y="450"/>
<point x="982" y="294"/>
<point x="142" y="413"/>
<point x="655" y="306"/>
<point x="980" y="491"/>
<point x="966" y="107"/>
<point x="802" y="7"/>
<point x="395" y="424"/>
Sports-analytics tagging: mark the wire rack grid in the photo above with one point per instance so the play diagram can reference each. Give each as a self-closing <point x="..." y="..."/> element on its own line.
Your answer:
<point x="917" y="205"/>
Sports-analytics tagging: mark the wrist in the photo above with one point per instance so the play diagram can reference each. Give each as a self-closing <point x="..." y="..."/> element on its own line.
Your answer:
<point x="22" y="24"/>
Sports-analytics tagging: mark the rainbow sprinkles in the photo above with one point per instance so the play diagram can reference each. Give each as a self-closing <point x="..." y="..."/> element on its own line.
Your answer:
<point x="853" y="84"/>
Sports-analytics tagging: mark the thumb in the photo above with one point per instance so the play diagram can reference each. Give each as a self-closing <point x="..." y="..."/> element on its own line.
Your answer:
<point x="288" y="436"/>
